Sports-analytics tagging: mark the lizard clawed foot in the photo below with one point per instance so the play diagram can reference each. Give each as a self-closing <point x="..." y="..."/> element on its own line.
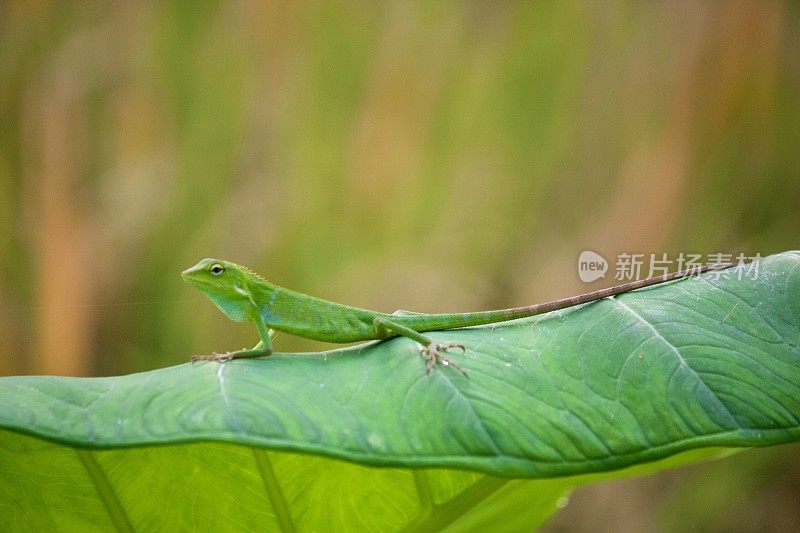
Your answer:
<point x="218" y="357"/>
<point x="434" y="353"/>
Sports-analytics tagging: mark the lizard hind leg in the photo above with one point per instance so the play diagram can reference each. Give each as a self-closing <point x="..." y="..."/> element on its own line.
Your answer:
<point x="432" y="351"/>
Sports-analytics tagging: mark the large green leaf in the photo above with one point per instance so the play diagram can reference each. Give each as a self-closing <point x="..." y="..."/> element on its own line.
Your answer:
<point x="707" y="361"/>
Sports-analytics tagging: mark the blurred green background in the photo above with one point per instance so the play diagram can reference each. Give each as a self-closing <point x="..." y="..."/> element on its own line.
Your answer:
<point x="434" y="156"/>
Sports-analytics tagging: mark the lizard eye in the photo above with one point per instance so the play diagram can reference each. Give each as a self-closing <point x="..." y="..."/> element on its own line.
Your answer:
<point x="216" y="269"/>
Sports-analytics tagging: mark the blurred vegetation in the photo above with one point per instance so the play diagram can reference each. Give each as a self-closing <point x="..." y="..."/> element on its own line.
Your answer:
<point x="418" y="155"/>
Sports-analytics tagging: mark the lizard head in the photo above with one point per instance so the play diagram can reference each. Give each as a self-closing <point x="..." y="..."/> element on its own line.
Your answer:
<point x="227" y="284"/>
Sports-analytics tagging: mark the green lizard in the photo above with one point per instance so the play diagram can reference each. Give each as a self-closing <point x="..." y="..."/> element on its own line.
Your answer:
<point x="244" y="296"/>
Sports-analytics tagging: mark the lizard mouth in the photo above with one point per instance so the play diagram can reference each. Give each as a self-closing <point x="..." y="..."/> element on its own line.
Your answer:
<point x="190" y="276"/>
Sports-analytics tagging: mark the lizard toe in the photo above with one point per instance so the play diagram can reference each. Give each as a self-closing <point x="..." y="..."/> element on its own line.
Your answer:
<point x="434" y="353"/>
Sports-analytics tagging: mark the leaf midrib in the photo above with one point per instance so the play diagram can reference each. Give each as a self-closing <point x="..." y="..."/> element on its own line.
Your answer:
<point x="105" y="491"/>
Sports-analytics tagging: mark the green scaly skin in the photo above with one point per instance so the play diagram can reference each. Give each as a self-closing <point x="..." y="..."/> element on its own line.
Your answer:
<point x="244" y="296"/>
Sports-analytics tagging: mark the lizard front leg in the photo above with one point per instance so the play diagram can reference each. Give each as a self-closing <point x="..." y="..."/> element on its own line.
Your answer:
<point x="262" y="349"/>
<point x="432" y="351"/>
